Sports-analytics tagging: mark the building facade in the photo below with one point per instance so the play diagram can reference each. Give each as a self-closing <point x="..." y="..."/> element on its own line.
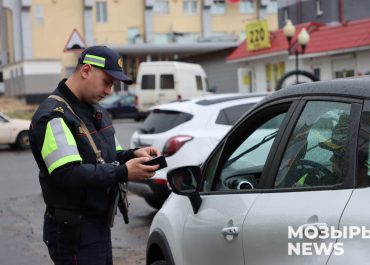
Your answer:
<point x="41" y="39"/>
<point x="323" y="11"/>
<point x="334" y="51"/>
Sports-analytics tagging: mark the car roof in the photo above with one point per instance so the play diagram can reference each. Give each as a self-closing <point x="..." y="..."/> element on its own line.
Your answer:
<point x="209" y="101"/>
<point x="355" y="87"/>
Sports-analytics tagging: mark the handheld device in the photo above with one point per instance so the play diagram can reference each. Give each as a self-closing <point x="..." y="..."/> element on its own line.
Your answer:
<point x="159" y="160"/>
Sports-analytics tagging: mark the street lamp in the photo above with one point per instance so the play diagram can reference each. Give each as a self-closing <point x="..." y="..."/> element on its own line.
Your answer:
<point x="303" y="39"/>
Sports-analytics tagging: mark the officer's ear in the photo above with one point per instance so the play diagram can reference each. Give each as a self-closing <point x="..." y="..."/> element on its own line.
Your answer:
<point x="85" y="71"/>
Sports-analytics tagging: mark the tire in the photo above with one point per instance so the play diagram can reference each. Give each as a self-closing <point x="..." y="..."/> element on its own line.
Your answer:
<point x="160" y="262"/>
<point x="23" y="141"/>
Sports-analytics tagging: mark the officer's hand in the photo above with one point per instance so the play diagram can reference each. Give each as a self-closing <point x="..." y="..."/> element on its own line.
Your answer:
<point x="147" y="152"/>
<point x="138" y="171"/>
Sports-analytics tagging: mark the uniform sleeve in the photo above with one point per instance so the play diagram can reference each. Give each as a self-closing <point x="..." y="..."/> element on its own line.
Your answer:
<point x="123" y="155"/>
<point x="64" y="164"/>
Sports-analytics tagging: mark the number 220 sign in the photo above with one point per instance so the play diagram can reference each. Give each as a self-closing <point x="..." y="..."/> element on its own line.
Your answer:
<point x="258" y="35"/>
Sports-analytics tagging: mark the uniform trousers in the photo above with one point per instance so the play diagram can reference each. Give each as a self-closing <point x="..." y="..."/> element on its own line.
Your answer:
<point x="94" y="246"/>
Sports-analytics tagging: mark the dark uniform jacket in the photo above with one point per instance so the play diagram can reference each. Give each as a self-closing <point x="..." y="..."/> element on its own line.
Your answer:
<point x="70" y="177"/>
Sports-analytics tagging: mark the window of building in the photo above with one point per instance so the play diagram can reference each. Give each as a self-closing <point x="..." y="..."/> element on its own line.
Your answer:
<point x="39" y="14"/>
<point x="190" y="7"/>
<point x="319" y="10"/>
<point x="317" y="72"/>
<point x="161" y="38"/>
<point x="286" y="15"/>
<point x="161" y="6"/>
<point x="246" y="7"/>
<point x="101" y="12"/>
<point x="272" y="7"/>
<point x="132" y="34"/>
<point x="344" y="73"/>
<point x="218" y="7"/>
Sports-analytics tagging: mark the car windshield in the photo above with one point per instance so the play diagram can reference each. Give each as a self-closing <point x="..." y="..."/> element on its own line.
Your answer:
<point x="111" y="99"/>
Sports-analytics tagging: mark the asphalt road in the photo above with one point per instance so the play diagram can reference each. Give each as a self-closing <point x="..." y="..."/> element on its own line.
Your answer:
<point x="22" y="207"/>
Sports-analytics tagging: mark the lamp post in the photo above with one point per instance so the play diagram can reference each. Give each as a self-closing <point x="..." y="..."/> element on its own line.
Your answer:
<point x="303" y="39"/>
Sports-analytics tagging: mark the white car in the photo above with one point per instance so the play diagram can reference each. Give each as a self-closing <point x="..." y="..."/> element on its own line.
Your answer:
<point x="186" y="132"/>
<point x="14" y="132"/>
<point x="288" y="184"/>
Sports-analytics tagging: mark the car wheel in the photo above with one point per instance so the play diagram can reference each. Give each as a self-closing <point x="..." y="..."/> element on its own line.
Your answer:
<point x="154" y="203"/>
<point x="159" y="262"/>
<point x="23" y="141"/>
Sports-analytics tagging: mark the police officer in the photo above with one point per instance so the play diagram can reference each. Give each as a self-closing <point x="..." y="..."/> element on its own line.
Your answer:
<point x="76" y="185"/>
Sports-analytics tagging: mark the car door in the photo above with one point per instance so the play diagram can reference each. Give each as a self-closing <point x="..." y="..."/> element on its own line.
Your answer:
<point x="305" y="190"/>
<point x="356" y="215"/>
<point x="214" y="234"/>
<point x="5" y="130"/>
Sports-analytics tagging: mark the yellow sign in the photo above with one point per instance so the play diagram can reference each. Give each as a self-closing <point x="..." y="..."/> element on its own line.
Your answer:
<point x="258" y="35"/>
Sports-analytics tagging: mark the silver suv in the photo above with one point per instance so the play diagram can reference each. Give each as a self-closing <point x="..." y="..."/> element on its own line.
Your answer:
<point x="288" y="184"/>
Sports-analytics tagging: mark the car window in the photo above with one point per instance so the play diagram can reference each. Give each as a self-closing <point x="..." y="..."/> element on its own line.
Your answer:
<point x="198" y="80"/>
<point x="159" y="121"/>
<point x="148" y="82"/>
<point x="315" y="153"/>
<point x="239" y="164"/>
<point x="167" y="82"/>
<point x="127" y="100"/>
<point x="363" y="175"/>
<point x="2" y="120"/>
<point x="230" y="115"/>
<point x="110" y="99"/>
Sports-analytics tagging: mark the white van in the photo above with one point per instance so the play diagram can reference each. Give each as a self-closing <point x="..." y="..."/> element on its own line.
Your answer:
<point x="166" y="81"/>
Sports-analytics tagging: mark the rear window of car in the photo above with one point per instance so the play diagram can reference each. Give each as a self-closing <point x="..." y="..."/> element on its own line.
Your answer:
<point x="148" y="82"/>
<point x="229" y="116"/>
<point x="159" y="121"/>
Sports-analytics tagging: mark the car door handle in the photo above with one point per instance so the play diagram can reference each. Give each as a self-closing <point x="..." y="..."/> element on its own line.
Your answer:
<point x="321" y="227"/>
<point x="230" y="231"/>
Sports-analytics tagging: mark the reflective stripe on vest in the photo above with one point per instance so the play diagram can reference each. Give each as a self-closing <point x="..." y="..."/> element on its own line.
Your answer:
<point x="118" y="146"/>
<point x="302" y="179"/>
<point x="59" y="147"/>
<point x="94" y="60"/>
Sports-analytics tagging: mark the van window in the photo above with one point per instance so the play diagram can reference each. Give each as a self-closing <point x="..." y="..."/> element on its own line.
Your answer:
<point x="148" y="82"/>
<point x="198" y="79"/>
<point x="167" y="82"/>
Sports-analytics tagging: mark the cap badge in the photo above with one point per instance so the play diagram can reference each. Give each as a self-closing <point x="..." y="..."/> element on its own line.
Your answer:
<point x="120" y="62"/>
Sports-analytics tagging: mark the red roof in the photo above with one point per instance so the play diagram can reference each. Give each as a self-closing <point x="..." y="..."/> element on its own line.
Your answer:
<point x="323" y="38"/>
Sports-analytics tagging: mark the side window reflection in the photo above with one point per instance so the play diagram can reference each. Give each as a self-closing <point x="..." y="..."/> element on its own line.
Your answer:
<point x="244" y="167"/>
<point x="317" y="148"/>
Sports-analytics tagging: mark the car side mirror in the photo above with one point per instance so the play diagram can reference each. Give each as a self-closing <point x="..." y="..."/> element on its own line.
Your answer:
<point x="185" y="181"/>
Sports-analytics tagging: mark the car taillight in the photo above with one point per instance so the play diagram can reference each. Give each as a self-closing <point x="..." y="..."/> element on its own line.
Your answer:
<point x="136" y="100"/>
<point x="175" y="143"/>
<point x="160" y="181"/>
<point x="179" y="97"/>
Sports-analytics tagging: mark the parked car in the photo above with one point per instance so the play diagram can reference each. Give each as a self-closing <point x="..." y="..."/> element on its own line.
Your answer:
<point x="186" y="132"/>
<point x="121" y="106"/>
<point x="14" y="132"/>
<point x="277" y="196"/>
